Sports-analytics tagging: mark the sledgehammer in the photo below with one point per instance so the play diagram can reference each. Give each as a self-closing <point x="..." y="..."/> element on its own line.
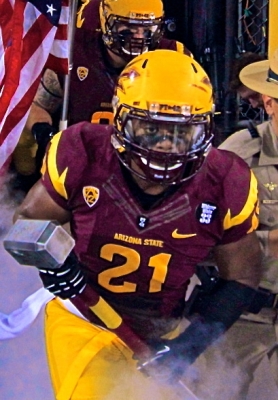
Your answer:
<point x="46" y="244"/>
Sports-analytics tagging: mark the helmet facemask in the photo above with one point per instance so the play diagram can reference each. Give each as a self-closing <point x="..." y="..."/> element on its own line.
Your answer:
<point x="129" y="37"/>
<point x="168" y="149"/>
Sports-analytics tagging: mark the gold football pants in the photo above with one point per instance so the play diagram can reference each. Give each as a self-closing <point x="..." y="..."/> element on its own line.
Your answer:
<point x="87" y="362"/>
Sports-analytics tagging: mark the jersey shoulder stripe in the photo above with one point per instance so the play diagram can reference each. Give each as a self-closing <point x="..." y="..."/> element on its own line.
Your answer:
<point x="247" y="209"/>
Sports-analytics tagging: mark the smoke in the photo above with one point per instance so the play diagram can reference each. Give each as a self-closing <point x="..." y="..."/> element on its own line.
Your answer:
<point x="10" y="195"/>
<point x="10" y="198"/>
<point x="134" y="385"/>
<point x="214" y="376"/>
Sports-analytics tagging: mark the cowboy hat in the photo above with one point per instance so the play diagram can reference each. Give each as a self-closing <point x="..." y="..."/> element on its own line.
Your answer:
<point x="262" y="76"/>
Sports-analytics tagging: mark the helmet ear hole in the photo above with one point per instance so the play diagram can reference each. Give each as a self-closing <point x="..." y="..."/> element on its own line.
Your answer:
<point x="129" y="130"/>
<point x="127" y="127"/>
<point x="107" y="41"/>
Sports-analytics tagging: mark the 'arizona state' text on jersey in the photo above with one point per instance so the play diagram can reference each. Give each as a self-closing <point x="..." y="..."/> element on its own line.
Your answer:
<point x="140" y="259"/>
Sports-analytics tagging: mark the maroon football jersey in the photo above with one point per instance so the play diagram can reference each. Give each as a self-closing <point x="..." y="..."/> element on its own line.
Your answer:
<point x="92" y="78"/>
<point x="141" y="260"/>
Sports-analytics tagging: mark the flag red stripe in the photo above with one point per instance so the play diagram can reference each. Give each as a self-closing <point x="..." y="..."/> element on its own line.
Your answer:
<point x="52" y="63"/>
<point x="34" y="37"/>
<point x="6" y="20"/>
<point x="13" y="58"/>
<point x="62" y="32"/>
<point x="19" y="111"/>
<point x="27" y="42"/>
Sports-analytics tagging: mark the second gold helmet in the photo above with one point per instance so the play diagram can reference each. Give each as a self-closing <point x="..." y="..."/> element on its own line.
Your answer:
<point x="131" y="27"/>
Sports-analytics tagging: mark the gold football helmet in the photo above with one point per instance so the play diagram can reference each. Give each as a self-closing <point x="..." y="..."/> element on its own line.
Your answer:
<point x="163" y="108"/>
<point x="131" y="27"/>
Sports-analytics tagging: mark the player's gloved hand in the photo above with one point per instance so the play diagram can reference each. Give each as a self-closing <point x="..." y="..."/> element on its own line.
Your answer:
<point x="65" y="282"/>
<point x="166" y="365"/>
<point x="43" y="133"/>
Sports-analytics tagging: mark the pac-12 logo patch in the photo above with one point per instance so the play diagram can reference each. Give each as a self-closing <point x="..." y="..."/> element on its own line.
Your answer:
<point x="82" y="73"/>
<point x="206" y="212"/>
<point x="91" y="195"/>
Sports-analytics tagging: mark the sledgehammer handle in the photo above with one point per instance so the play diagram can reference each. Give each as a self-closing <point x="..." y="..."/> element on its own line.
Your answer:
<point x="46" y="244"/>
<point x="95" y="304"/>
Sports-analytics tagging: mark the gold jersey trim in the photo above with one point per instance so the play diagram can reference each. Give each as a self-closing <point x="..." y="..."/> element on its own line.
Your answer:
<point x="180" y="47"/>
<point x="58" y="181"/>
<point x="247" y="209"/>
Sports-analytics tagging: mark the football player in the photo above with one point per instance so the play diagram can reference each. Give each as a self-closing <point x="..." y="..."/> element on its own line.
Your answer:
<point x="147" y="199"/>
<point x="109" y="33"/>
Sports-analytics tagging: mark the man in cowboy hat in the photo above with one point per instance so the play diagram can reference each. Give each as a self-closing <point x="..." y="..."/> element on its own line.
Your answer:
<point x="247" y="95"/>
<point x="254" y="337"/>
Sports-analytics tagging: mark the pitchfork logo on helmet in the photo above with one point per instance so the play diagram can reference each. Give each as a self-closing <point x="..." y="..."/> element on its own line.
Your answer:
<point x="163" y="108"/>
<point x="131" y="27"/>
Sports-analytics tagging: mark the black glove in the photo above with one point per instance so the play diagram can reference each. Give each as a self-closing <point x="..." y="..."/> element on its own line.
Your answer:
<point x="65" y="282"/>
<point x="214" y="312"/>
<point x="43" y="133"/>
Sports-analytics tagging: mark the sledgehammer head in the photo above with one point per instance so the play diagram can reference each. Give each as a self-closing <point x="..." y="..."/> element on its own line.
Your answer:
<point x="43" y="244"/>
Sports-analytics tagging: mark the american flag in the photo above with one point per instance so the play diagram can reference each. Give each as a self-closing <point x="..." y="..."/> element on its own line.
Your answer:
<point x="33" y="35"/>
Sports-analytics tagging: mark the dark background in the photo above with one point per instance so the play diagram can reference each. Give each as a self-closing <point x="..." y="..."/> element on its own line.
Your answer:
<point x="209" y="29"/>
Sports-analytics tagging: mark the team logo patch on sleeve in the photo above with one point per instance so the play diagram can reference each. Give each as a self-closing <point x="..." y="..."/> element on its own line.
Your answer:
<point x="90" y="195"/>
<point x="82" y="73"/>
<point x="206" y="212"/>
